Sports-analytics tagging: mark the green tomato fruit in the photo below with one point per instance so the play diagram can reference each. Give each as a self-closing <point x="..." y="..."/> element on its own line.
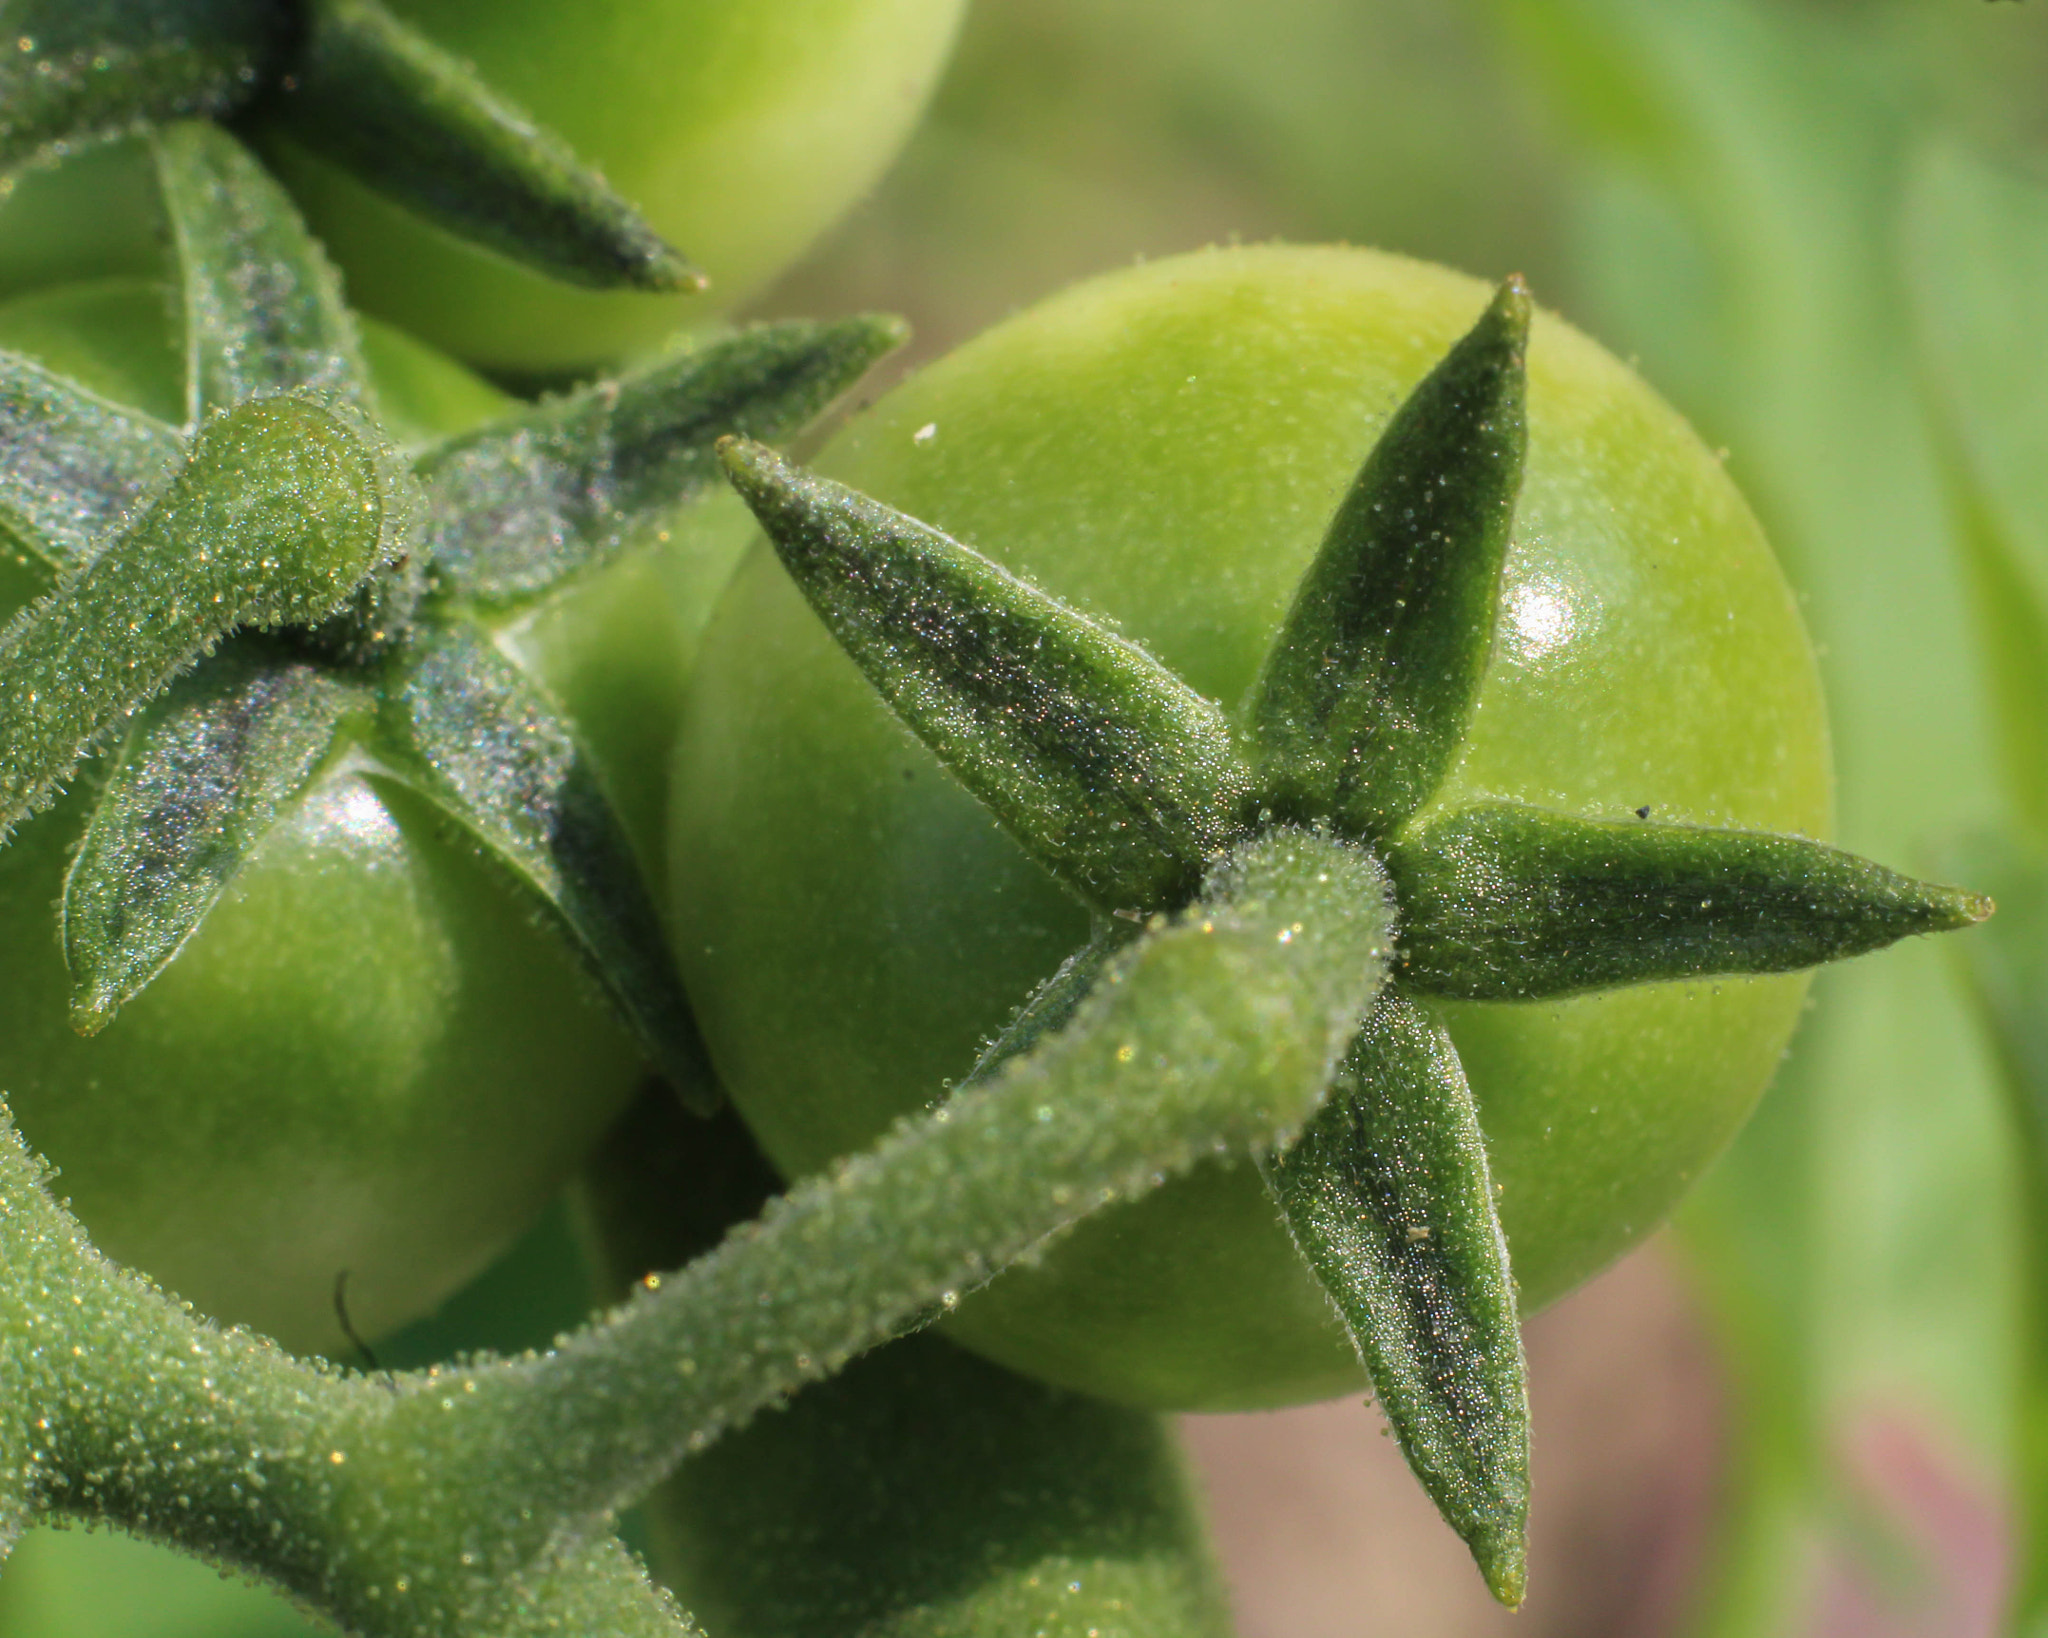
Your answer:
<point x="1163" y="448"/>
<point x="741" y="131"/>
<point x="368" y="1057"/>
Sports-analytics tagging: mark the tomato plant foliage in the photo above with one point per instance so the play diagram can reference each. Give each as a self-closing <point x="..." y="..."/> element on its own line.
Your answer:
<point x="1359" y="860"/>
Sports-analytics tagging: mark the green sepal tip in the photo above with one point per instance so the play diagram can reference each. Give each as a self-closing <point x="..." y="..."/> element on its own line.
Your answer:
<point x="1365" y="695"/>
<point x="518" y="506"/>
<point x="1114" y="775"/>
<point x="414" y="122"/>
<point x="467" y="729"/>
<point x="208" y="767"/>
<point x="1390" y="1200"/>
<point x="1502" y="902"/>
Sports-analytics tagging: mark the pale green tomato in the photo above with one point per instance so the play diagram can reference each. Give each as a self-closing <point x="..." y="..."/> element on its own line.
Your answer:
<point x="368" y="1058"/>
<point x="1163" y="447"/>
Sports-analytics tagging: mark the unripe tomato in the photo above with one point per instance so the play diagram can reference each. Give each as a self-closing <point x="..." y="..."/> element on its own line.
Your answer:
<point x="741" y="130"/>
<point x="369" y="1057"/>
<point x="1163" y="448"/>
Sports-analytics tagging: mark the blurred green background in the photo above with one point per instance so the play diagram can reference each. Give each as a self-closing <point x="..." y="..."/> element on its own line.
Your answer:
<point x="1821" y="226"/>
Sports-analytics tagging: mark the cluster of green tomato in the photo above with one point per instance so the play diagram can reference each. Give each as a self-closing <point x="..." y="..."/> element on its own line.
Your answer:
<point x="366" y="1060"/>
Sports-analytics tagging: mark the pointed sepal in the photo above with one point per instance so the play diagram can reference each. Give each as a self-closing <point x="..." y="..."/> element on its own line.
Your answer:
<point x="205" y="772"/>
<point x="414" y="122"/>
<point x="466" y="728"/>
<point x="1388" y="1196"/>
<point x="263" y="306"/>
<point x="73" y="466"/>
<point x="77" y="72"/>
<point x="283" y="509"/>
<point x="1114" y="775"/>
<point x="1502" y="902"/>
<point x="518" y="506"/>
<point x="1365" y="695"/>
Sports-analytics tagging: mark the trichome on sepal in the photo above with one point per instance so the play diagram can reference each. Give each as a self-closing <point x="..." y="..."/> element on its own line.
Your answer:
<point x="1351" y="726"/>
<point x="137" y="525"/>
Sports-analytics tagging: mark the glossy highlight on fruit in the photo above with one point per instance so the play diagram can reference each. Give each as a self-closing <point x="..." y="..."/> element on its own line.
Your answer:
<point x="1163" y="448"/>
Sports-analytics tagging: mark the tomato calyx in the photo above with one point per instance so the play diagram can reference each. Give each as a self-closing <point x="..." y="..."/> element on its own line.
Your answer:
<point x="1126" y="785"/>
<point x="347" y="80"/>
<point x="377" y="574"/>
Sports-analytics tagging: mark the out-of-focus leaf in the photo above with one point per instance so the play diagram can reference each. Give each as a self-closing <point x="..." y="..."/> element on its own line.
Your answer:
<point x="82" y="71"/>
<point x="2007" y="968"/>
<point x="1770" y="190"/>
<point x="1977" y="260"/>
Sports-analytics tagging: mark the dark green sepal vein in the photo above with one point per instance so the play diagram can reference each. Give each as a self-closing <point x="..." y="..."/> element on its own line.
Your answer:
<point x="412" y="121"/>
<point x="206" y="770"/>
<point x="1389" y="1199"/>
<point x="471" y="732"/>
<point x="82" y="71"/>
<point x="73" y="466"/>
<point x="1502" y="902"/>
<point x="523" y="503"/>
<point x="1114" y="775"/>
<point x="1365" y="695"/>
<point x="284" y="507"/>
<point x="263" y="307"/>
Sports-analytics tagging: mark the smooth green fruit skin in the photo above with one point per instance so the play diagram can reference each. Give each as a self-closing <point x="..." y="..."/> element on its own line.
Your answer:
<point x="1163" y="447"/>
<point x="741" y="130"/>
<point x="369" y="1057"/>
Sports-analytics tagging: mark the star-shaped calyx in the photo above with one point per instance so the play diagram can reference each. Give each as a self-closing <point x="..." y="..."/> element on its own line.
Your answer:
<point x="1132" y="790"/>
<point x="241" y="602"/>
<point x="346" y="80"/>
